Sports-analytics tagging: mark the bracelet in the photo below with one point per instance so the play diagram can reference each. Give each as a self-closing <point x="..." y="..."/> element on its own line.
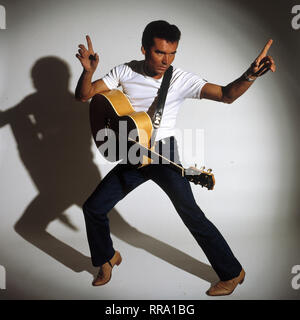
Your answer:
<point x="246" y="76"/>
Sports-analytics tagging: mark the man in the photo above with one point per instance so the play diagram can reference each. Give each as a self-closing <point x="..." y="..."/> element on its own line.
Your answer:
<point x="141" y="81"/>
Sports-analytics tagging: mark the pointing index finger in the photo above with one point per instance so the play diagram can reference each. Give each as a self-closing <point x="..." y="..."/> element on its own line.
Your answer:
<point x="89" y="43"/>
<point x="265" y="49"/>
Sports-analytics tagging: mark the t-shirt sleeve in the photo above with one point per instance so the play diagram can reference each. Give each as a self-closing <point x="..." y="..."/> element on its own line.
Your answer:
<point x="191" y="85"/>
<point x="114" y="77"/>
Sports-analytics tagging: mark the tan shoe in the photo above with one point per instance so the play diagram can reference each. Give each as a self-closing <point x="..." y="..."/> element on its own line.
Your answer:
<point x="223" y="288"/>
<point x="104" y="274"/>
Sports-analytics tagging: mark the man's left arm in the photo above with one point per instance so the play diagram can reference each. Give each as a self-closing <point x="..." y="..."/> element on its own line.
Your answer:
<point x="235" y="89"/>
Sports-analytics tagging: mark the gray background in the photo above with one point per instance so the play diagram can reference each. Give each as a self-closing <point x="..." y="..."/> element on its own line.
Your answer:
<point x="252" y="146"/>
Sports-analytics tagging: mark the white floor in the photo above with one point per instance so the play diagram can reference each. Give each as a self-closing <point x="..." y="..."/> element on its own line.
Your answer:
<point x="151" y="268"/>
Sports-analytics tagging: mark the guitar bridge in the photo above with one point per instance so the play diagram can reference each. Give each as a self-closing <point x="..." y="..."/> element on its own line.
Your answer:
<point x="107" y="125"/>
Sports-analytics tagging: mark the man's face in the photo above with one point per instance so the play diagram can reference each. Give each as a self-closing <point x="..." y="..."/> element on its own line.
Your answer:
<point x="159" y="57"/>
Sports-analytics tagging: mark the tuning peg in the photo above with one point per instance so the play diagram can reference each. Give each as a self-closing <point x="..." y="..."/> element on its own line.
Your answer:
<point x="209" y="170"/>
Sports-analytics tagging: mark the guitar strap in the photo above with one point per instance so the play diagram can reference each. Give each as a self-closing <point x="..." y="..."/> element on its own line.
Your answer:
<point x="161" y="99"/>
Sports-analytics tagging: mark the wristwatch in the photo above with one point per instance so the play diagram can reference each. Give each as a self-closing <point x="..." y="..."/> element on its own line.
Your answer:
<point x="246" y="76"/>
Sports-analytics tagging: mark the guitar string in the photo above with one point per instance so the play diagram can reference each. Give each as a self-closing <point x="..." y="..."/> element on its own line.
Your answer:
<point x="159" y="155"/>
<point x="170" y="161"/>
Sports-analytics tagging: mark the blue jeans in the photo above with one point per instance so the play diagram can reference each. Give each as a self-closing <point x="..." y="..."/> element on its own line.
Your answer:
<point x="124" y="178"/>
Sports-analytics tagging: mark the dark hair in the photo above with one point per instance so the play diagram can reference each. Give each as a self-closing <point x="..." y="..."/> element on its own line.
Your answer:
<point x="159" y="29"/>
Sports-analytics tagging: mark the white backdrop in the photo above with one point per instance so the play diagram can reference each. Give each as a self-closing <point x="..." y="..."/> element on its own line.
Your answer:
<point x="252" y="146"/>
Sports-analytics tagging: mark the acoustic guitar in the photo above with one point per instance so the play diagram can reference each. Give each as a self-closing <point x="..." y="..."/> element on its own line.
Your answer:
<point x="120" y="133"/>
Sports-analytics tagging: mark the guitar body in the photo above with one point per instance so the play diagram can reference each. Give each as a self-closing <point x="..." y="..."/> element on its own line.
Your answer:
<point x="117" y="129"/>
<point x="113" y="120"/>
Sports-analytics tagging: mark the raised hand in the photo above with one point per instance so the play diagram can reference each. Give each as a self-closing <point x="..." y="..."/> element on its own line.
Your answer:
<point x="88" y="58"/>
<point x="263" y="63"/>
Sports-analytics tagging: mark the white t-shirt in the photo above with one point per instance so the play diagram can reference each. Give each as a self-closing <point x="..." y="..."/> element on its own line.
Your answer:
<point x="142" y="90"/>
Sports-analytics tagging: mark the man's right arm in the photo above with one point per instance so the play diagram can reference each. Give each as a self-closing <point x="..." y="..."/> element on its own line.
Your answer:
<point x="86" y="89"/>
<point x="89" y="60"/>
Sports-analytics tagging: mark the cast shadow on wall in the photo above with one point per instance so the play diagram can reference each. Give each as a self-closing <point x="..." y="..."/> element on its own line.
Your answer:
<point x="52" y="133"/>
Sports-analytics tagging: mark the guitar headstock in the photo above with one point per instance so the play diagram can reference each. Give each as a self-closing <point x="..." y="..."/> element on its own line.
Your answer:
<point x="200" y="176"/>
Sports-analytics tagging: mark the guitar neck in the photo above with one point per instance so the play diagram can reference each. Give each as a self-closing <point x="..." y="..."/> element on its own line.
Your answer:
<point x="158" y="158"/>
